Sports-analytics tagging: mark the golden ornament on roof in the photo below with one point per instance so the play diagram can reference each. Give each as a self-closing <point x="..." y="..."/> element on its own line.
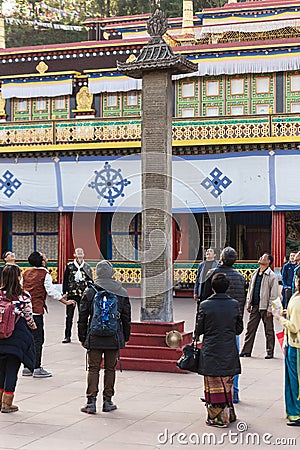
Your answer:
<point x="42" y="67"/>
<point x="131" y="58"/>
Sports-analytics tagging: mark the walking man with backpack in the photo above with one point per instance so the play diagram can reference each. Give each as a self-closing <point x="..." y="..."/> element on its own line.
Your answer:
<point x="103" y="329"/>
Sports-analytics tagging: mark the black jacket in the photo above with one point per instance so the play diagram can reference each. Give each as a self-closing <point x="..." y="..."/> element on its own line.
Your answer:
<point x="219" y="320"/>
<point x="237" y="287"/>
<point x="103" y="342"/>
<point x="20" y="344"/>
<point x="76" y="288"/>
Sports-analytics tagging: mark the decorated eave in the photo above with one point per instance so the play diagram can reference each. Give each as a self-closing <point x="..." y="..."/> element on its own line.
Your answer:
<point x="263" y="57"/>
<point x="212" y="59"/>
<point x="67" y="57"/>
<point x="249" y="17"/>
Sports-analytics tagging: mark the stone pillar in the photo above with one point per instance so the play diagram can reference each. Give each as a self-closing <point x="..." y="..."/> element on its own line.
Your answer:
<point x="157" y="275"/>
<point x="155" y="65"/>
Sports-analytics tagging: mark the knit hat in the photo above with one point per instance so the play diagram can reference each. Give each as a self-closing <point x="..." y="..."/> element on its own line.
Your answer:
<point x="104" y="269"/>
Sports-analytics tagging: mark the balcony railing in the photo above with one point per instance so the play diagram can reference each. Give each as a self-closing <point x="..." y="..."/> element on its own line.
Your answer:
<point x="130" y="273"/>
<point x="64" y="134"/>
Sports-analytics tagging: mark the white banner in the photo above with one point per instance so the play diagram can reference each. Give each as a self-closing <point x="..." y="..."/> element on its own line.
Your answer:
<point x="287" y="169"/>
<point x="231" y="182"/>
<point x="26" y="186"/>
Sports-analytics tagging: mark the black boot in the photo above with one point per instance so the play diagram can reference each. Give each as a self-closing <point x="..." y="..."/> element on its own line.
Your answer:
<point x="108" y="405"/>
<point x="90" y="407"/>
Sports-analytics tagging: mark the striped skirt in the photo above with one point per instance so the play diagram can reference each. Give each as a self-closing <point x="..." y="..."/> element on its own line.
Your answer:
<point x="218" y="397"/>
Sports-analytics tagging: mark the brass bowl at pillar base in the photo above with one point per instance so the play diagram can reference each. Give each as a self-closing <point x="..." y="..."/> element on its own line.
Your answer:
<point x="173" y="339"/>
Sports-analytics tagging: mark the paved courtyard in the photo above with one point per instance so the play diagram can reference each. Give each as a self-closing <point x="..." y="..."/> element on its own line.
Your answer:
<point x="151" y="406"/>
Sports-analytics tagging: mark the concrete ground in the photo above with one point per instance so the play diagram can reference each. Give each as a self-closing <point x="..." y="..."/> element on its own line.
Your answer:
<point x="151" y="406"/>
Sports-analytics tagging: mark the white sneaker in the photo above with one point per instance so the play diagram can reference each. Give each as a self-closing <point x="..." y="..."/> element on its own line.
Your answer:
<point x="41" y="373"/>
<point x="26" y="372"/>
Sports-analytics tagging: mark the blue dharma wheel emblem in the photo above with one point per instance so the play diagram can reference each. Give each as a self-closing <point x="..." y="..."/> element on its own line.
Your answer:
<point x="109" y="183"/>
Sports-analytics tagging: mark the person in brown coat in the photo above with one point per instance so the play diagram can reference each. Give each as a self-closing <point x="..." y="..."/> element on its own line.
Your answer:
<point x="38" y="282"/>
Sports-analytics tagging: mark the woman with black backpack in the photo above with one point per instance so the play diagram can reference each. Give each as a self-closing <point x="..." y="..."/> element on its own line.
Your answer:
<point x="18" y="347"/>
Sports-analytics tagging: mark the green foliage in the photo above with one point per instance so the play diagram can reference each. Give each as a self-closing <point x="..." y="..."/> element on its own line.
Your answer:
<point x="26" y="36"/>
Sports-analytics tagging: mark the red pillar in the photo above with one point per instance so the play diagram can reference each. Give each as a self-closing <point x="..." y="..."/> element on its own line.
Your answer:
<point x="98" y="229"/>
<point x="1" y="231"/>
<point x="184" y="238"/>
<point x="278" y="237"/>
<point x="64" y="243"/>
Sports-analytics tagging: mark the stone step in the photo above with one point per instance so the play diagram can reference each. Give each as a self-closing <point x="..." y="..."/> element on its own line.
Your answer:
<point x="156" y="327"/>
<point x="150" y="365"/>
<point x="158" y="340"/>
<point x="151" y="352"/>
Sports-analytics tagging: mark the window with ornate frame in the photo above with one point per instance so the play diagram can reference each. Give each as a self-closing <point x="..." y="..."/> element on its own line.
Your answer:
<point x="263" y="108"/>
<point x="188" y="112"/>
<point x="59" y="103"/>
<point x="21" y="105"/>
<point x="295" y="107"/>
<point x="237" y="110"/>
<point x="295" y="83"/>
<point x="212" y="88"/>
<point x="237" y="86"/>
<point x="40" y="104"/>
<point x="111" y="99"/>
<point x="132" y="98"/>
<point x="188" y="89"/>
<point x="212" y="110"/>
<point x="263" y="85"/>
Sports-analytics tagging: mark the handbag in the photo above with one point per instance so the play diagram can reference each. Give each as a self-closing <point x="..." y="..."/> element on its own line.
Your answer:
<point x="191" y="358"/>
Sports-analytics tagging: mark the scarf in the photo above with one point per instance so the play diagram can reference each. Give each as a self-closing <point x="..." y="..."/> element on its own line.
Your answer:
<point x="78" y="275"/>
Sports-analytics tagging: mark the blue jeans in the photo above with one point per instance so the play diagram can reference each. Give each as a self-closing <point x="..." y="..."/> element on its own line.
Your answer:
<point x="236" y="378"/>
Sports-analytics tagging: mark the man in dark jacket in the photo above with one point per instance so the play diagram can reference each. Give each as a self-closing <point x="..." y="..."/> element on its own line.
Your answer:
<point x="203" y="269"/>
<point x="219" y="320"/>
<point x="76" y="275"/>
<point x="237" y="286"/>
<point x="236" y="290"/>
<point x="98" y="346"/>
<point x="288" y="271"/>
